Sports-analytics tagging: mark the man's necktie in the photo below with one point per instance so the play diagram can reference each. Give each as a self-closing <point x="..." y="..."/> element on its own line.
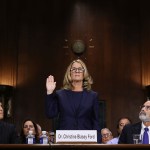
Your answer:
<point x="145" y="136"/>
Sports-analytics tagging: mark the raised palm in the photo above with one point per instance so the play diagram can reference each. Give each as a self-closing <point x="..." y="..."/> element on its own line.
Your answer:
<point x="50" y="84"/>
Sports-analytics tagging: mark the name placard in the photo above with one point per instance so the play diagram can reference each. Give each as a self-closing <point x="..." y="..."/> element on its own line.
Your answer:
<point x="76" y="136"/>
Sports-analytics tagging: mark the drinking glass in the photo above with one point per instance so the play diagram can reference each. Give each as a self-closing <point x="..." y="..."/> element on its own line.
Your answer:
<point x="137" y="139"/>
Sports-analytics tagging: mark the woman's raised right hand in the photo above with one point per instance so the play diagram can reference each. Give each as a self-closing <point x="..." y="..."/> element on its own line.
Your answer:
<point x="50" y="84"/>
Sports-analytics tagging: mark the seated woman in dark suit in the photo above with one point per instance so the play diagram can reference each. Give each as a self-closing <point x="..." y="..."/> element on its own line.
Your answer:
<point x="29" y="125"/>
<point x="8" y="132"/>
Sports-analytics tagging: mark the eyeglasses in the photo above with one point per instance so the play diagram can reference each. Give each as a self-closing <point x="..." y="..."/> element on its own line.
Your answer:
<point x="80" y="70"/>
<point x="146" y="107"/>
<point x="106" y="135"/>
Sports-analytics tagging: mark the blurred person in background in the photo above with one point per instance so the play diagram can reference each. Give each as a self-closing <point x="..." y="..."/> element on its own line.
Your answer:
<point x="28" y="125"/>
<point x="120" y="125"/>
<point x="8" y="132"/>
<point x="106" y="135"/>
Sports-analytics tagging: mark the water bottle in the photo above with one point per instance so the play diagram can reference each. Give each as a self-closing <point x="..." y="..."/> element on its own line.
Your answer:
<point x="44" y="138"/>
<point x="30" y="139"/>
<point x="52" y="137"/>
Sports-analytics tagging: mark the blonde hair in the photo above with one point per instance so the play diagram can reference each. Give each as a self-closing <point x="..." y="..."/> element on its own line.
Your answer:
<point x="87" y="79"/>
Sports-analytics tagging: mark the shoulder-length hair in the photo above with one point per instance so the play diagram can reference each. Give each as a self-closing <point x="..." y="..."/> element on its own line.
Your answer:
<point x="23" y="137"/>
<point x="87" y="79"/>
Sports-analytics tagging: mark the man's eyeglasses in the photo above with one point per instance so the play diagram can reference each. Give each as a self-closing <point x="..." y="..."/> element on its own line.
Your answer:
<point x="106" y="135"/>
<point x="80" y="70"/>
<point x="146" y="107"/>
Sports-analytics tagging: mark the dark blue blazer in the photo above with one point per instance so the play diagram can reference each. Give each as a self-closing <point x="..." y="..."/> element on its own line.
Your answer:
<point x="126" y="136"/>
<point x="8" y="133"/>
<point x="83" y="117"/>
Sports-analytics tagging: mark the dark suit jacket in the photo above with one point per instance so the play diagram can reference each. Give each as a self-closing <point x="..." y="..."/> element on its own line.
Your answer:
<point x="126" y="136"/>
<point x="83" y="117"/>
<point x="8" y="133"/>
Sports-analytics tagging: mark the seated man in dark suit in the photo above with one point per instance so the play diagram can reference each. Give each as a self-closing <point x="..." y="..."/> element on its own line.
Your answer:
<point x="129" y="130"/>
<point x="8" y="133"/>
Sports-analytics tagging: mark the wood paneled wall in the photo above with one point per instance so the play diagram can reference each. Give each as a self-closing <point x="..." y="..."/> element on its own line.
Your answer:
<point x="36" y="38"/>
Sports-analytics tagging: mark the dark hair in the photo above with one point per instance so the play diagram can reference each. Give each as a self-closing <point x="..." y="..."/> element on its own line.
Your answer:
<point x="121" y="119"/>
<point x="23" y="137"/>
